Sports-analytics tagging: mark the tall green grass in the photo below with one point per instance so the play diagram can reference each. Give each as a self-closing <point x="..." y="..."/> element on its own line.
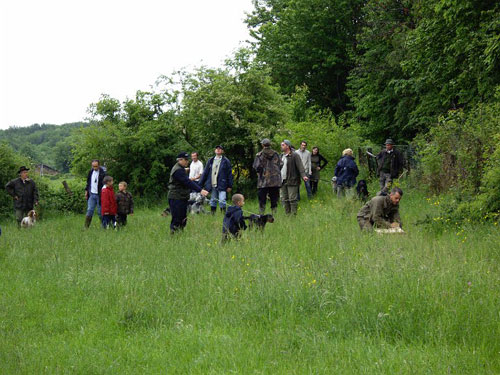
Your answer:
<point x="310" y="294"/>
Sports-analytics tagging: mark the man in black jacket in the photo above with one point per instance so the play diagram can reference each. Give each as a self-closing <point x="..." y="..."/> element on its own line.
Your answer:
<point x="179" y="188"/>
<point x="24" y="192"/>
<point x="390" y="164"/>
<point x="93" y="191"/>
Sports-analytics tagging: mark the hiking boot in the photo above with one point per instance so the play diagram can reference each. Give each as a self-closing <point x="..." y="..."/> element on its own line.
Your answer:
<point x="88" y="220"/>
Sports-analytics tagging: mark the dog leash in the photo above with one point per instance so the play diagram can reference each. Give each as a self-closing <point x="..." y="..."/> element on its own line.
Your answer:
<point x="250" y="212"/>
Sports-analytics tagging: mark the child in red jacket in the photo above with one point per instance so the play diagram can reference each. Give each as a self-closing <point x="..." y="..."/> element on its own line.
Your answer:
<point x="108" y="203"/>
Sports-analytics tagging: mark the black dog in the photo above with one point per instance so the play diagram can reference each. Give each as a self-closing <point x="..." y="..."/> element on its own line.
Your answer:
<point x="362" y="190"/>
<point x="259" y="221"/>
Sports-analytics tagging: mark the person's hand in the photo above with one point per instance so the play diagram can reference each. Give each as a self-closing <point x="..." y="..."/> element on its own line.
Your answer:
<point x="204" y="192"/>
<point x="86" y="194"/>
<point x="229" y="190"/>
<point x="106" y="213"/>
<point x="16" y="198"/>
<point x="193" y="178"/>
<point x="130" y="214"/>
<point x="318" y="168"/>
<point x="395" y="225"/>
<point x="36" y="203"/>
<point x="305" y="178"/>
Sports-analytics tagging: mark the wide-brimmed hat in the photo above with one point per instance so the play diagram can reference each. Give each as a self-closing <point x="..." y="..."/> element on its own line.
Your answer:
<point x="23" y="168"/>
<point x="389" y="141"/>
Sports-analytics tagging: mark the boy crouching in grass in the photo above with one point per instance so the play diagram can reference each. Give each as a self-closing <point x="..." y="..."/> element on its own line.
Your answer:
<point x="233" y="221"/>
<point x="108" y="203"/>
<point x="125" y="204"/>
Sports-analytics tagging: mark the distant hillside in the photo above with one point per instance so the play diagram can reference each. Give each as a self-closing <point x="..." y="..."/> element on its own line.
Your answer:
<point x="46" y="143"/>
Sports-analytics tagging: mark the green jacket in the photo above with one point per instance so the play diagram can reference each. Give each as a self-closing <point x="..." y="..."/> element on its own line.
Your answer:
<point x="380" y="212"/>
<point x="25" y="192"/>
<point x="294" y="169"/>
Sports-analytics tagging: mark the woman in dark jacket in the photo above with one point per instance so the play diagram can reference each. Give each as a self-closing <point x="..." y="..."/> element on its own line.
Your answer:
<point x="346" y="172"/>
<point x="318" y="162"/>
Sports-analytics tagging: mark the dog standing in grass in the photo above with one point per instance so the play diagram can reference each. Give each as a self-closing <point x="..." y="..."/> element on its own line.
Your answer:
<point x="29" y="220"/>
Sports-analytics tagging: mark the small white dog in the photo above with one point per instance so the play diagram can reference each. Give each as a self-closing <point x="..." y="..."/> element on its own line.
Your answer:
<point x="29" y="220"/>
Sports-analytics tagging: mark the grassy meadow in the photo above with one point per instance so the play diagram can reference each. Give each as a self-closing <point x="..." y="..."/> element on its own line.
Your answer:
<point x="309" y="295"/>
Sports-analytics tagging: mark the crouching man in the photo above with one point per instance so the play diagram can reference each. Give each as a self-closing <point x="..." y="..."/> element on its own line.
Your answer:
<point x="381" y="211"/>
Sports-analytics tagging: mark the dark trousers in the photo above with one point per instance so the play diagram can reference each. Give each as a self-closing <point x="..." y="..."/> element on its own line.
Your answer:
<point x="121" y="220"/>
<point x="108" y="220"/>
<point x="178" y="210"/>
<point x="314" y="186"/>
<point x="21" y="214"/>
<point x="274" y="194"/>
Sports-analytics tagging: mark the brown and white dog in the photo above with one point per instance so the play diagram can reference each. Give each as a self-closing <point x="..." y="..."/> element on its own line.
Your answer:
<point x="29" y="220"/>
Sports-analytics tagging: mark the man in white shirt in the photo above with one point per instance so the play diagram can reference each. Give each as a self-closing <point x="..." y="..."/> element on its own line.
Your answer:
<point x="195" y="172"/>
<point x="93" y="191"/>
<point x="195" y="168"/>
<point x="305" y="156"/>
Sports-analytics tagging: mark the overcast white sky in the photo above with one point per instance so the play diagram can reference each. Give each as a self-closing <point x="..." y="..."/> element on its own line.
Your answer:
<point x="58" y="56"/>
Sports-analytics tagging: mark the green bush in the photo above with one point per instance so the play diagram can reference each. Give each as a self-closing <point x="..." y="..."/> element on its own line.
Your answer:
<point x="461" y="155"/>
<point x="55" y="198"/>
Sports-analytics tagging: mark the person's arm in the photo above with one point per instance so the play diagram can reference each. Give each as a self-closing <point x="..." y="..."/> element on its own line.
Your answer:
<point x="355" y="169"/>
<point x="377" y="214"/>
<point x="229" y="177"/>
<point x="10" y="189"/>
<point x="308" y="162"/>
<point x="338" y="168"/>
<point x="181" y="176"/>
<point x="396" y="218"/>
<point x="105" y="206"/>
<point x="300" y="166"/>
<point x="257" y="165"/>
<point x="35" y="193"/>
<point x="204" y="175"/>
<point x="240" y="220"/>
<point x="131" y="204"/>
<point x="322" y="160"/>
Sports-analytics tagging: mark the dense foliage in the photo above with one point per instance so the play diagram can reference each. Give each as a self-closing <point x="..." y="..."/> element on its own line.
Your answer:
<point x="47" y="144"/>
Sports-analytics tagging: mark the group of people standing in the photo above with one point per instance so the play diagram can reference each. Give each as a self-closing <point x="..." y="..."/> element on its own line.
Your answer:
<point x="278" y="175"/>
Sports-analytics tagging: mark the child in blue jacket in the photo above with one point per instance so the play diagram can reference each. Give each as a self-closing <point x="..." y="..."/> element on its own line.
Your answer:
<point x="233" y="221"/>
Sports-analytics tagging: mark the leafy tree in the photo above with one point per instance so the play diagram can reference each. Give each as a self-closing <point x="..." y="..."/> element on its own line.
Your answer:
<point x="10" y="161"/>
<point x="235" y="106"/>
<point x="135" y="140"/>
<point x="307" y="42"/>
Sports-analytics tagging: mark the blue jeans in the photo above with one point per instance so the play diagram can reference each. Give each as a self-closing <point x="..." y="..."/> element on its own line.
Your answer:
<point x="308" y="188"/>
<point x="92" y="203"/>
<point x="220" y="195"/>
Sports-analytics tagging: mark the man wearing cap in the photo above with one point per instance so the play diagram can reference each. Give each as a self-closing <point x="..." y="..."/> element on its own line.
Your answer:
<point x="179" y="187"/>
<point x="93" y="191"/>
<point x="24" y="192"/>
<point x="291" y="174"/>
<point x="390" y="163"/>
<point x="217" y="178"/>
<point x="268" y="165"/>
